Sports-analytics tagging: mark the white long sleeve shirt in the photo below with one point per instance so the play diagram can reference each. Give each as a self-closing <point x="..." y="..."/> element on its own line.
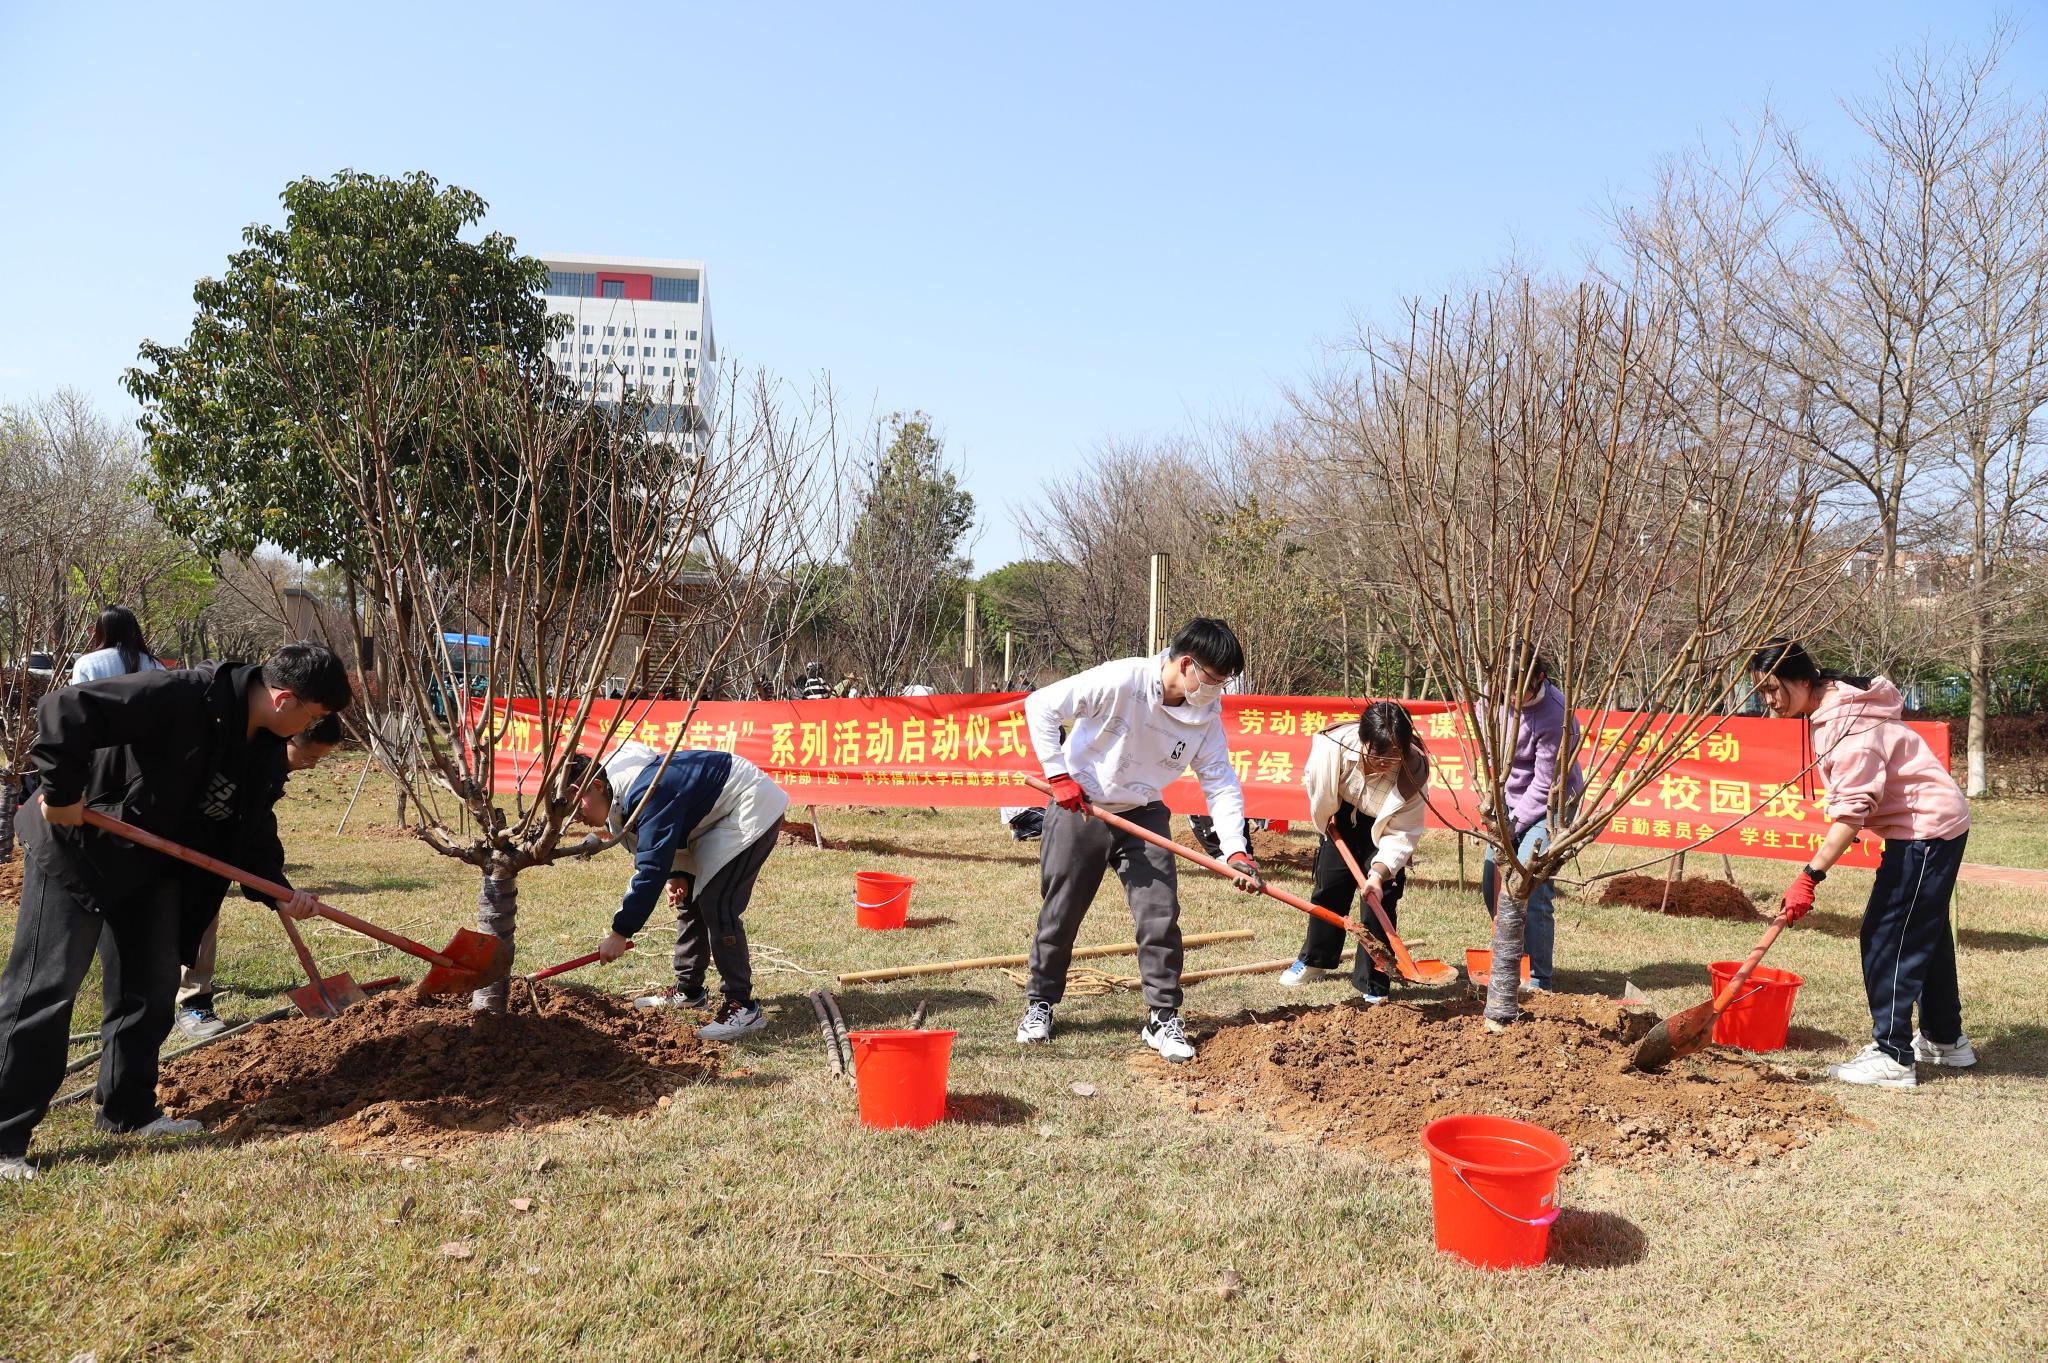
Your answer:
<point x="1332" y="777"/>
<point x="1124" y="745"/>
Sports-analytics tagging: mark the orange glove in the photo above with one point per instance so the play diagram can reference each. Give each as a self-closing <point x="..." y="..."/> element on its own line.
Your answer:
<point x="1799" y="897"/>
<point x="1067" y="792"/>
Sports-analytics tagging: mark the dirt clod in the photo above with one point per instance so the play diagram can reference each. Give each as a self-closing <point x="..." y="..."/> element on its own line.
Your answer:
<point x="399" y="1073"/>
<point x="1694" y="897"/>
<point x="1371" y="1078"/>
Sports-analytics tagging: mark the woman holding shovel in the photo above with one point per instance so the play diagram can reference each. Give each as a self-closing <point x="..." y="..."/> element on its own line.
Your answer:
<point x="1882" y="778"/>
<point x="1365" y="783"/>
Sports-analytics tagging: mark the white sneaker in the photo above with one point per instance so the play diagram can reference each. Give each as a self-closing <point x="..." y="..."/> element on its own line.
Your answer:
<point x="672" y="997"/>
<point x="1958" y="1056"/>
<point x="1367" y="997"/>
<point x="1873" y="1068"/>
<point x="734" y="1022"/>
<point x="15" y="1169"/>
<point x="1037" y="1023"/>
<point x="1299" y="974"/>
<point x="167" y="1125"/>
<point x="1166" y="1036"/>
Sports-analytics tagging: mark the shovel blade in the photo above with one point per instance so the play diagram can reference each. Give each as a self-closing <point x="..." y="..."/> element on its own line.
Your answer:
<point x="479" y="958"/>
<point x="328" y="998"/>
<point x="1430" y="972"/>
<point x="1678" y="1035"/>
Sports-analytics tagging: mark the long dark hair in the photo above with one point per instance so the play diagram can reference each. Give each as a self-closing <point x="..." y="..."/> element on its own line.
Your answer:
<point x="1385" y="726"/>
<point x="118" y="629"/>
<point x="1788" y="660"/>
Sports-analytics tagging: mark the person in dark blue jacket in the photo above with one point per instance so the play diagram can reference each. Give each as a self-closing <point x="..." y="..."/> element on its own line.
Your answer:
<point x="703" y="824"/>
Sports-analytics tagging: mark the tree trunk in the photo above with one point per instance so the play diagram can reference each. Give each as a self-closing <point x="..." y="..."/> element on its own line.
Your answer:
<point x="1977" y="779"/>
<point x="1511" y="910"/>
<point x="10" y="794"/>
<point x="497" y="912"/>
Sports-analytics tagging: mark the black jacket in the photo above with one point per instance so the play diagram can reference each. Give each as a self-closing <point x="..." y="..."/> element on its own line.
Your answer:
<point x="146" y="748"/>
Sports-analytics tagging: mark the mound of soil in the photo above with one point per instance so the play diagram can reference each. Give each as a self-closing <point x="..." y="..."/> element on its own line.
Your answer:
<point x="10" y="881"/>
<point x="404" y="1074"/>
<point x="1282" y="851"/>
<point x="1370" y="1078"/>
<point x="1695" y="897"/>
<point x="798" y="833"/>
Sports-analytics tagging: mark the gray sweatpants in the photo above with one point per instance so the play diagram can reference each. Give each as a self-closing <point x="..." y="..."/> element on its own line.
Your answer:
<point x="1072" y="856"/>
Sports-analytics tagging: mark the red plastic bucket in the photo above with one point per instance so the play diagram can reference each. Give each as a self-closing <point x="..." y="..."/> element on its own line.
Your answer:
<point x="901" y="1075"/>
<point x="1493" y="1183"/>
<point x="881" y="900"/>
<point x="1761" y="1011"/>
<point x="1479" y="965"/>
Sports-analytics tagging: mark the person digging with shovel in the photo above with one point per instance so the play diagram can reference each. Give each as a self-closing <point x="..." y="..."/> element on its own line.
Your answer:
<point x="1367" y="779"/>
<point x="1882" y="778"/>
<point x="184" y="754"/>
<point x="1117" y="735"/>
<point x="703" y="824"/>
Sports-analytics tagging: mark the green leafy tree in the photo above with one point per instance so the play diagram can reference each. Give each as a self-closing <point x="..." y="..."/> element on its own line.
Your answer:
<point x="230" y="462"/>
<point x="905" y="576"/>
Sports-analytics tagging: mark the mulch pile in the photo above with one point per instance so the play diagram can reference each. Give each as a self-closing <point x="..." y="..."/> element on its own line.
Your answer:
<point x="1698" y="897"/>
<point x="401" y="1074"/>
<point x="1370" y="1078"/>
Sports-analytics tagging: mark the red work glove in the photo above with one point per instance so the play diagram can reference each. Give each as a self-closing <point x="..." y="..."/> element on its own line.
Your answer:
<point x="1798" y="898"/>
<point x="1247" y="868"/>
<point x="1067" y="792"/>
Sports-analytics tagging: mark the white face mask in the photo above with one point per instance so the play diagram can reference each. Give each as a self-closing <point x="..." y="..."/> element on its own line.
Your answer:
<point x="1204" y="693"/>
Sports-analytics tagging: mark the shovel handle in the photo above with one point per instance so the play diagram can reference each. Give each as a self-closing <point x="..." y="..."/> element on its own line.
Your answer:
<point x="306" y="961"/>
<point x="1727" y="994"/>
<point x="565" y="967"/>
<point x="1207" y="863"/>
<point x="143" y="837"/>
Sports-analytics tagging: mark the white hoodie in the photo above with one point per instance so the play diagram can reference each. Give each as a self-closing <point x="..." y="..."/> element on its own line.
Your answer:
<point x="1124" y="745"/>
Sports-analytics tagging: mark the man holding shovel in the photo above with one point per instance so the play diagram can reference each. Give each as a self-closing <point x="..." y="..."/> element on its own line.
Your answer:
<point x="1117" y="735"/>
<point x="702" y="823"/>
<point x="187" y="755"/>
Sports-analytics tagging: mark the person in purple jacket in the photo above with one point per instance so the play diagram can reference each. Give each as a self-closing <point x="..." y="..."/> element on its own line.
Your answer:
<point x="1546" y="737"/>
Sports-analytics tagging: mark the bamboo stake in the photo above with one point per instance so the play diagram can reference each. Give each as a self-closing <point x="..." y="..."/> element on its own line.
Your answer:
<point x="905" y="972"/>
<point x="1253" y="968"/>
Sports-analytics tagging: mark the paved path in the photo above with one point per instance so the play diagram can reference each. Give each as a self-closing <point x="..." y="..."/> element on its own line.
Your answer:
<point x="2003" y="875"/>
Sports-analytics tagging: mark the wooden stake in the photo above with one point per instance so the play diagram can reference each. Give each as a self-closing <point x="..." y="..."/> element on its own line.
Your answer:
<point x="1255" y="968"/>
<point x="905" y="972"/>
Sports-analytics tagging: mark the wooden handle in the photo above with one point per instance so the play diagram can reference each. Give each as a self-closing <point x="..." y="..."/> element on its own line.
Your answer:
<point x="1365" y="897"/>
<point x="907" y="972"/>
<point x="567" y="966"/>
<point x="1207" y="863"/>
<point x="305" y="956"/>
<point x="1727" y="994"/>
<point x="145" y="838"/>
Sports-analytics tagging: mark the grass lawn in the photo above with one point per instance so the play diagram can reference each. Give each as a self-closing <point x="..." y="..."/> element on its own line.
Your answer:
<point x="758" y="1219"/>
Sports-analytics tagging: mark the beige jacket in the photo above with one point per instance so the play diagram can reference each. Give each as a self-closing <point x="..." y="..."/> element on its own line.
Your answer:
<point x="1332" y="778"/>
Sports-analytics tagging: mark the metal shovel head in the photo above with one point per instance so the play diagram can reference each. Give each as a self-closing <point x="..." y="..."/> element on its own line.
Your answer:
<point x="479" y="958"/>
<point x="1430" y="972"/>
<point x="1678" y="1035"/>
<point x="329" y="997"/>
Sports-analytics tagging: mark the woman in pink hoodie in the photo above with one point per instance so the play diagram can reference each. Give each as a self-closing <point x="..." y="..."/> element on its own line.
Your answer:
<point x="1880" y="777"/>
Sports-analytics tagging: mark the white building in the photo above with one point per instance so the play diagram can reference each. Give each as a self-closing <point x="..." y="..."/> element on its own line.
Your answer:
<point x="637" y="326"/>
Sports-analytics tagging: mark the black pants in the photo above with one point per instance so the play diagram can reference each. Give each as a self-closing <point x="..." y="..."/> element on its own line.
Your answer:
<point x="1072" y="856"/>
<point x="1909" y="950"/>
<point x="1336" y="890"/>
<point x="708" y="927"/>
<point x="54" y="939"/>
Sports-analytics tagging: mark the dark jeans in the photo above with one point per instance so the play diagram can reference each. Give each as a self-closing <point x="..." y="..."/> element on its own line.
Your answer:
<point x="54" y="939"/>
<point x="1072" y="856"/>
<point x="1539" y="925"/>
<point x="1336" y="890"/>
<point x="1909" y="950"/>
<point x="708" y="927"/>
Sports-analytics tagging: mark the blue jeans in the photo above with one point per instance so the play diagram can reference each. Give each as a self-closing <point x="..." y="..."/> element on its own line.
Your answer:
<point x="1542" y="922"/>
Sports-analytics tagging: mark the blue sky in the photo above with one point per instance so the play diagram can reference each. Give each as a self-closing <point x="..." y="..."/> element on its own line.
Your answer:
<point x="1046" y="225"/>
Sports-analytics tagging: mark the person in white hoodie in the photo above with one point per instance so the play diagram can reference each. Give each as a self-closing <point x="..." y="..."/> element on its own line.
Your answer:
<point x="1365" y="782"/>
<point x="1116" y="736"/>
<point x="703" y="823"/>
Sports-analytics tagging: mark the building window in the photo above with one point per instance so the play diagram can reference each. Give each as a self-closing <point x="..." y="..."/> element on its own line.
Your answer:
<point x="589" y="349"/>
<point x="667" y="372"/>
<point x="648" y="368"/>
<point x="669" y="354"/>
<point x="612" y="288"/>
<point x="586" y="329"/>
<point x="669" y="334"/>
<point x="690" y="371"/>
<point x="611" y="331"/>
<point x="674" y="290"/>
<point x="568" y="284"/>
<point x="693" y="335"/>
<point x="583" y="366"/>
<point x="604" y="350"/>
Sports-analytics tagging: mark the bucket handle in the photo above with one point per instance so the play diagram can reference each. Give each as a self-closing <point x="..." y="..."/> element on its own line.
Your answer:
<point x="878" y="904"/>
<point x="1542" y="1220"/>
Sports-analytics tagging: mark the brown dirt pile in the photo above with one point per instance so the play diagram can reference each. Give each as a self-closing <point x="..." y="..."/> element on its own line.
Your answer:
<point x="1282" y="851"/>
<point x="1697" y="897"/>
<point x="10" y="881"/>
<point x="798" y="833"/>
<point x="401" y="1074"/>
<point x="1370" y="1078"/>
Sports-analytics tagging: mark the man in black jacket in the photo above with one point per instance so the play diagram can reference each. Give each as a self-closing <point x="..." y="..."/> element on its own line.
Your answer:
<point x="189" y="755"/>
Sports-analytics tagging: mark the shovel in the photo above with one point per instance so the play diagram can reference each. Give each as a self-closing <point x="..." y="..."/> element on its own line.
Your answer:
<point x="1685" y="1032"/>
<point x="325" y="996"/>
<point x="574" y="963"/>
<point x="1412" y="970"/>
<point x="1367" y="943"/>
<point x="472" y="959"/>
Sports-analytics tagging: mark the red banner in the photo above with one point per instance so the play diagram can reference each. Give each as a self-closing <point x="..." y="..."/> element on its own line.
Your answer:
<point x="1742" y="786"/>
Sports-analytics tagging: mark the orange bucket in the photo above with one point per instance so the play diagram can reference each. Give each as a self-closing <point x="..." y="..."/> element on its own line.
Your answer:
<point x="1760" y="1014"/>
<point x="1493" y="1185"/>
<point x="881" y="900"/>
<point x="1479" y="965"/>
<point x="901" y="1075"/>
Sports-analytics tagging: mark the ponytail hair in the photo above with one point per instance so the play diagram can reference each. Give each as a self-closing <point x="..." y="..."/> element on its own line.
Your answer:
<point x="1386" y="725"/>
<point x="1788" y="660"/>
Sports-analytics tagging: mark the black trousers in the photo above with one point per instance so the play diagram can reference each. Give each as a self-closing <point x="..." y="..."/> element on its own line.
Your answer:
<point x="1909" y="949"/>
<point x="708" y="927"/>
<point x="54" y="939"/>
<point x="1336" y="889"/>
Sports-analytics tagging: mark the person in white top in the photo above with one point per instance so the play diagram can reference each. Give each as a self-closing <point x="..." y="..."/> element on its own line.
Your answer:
<point x="118" y="648"/>
<point x="1366" y="782"/>
<point x="1116" y="736"/>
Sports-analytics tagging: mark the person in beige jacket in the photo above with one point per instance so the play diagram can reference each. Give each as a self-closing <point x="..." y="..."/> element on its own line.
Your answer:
<point x="1365" y="783"/>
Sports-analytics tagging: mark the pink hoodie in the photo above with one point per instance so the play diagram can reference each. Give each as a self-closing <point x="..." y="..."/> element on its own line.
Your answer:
<point x="1879" y="773"/>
